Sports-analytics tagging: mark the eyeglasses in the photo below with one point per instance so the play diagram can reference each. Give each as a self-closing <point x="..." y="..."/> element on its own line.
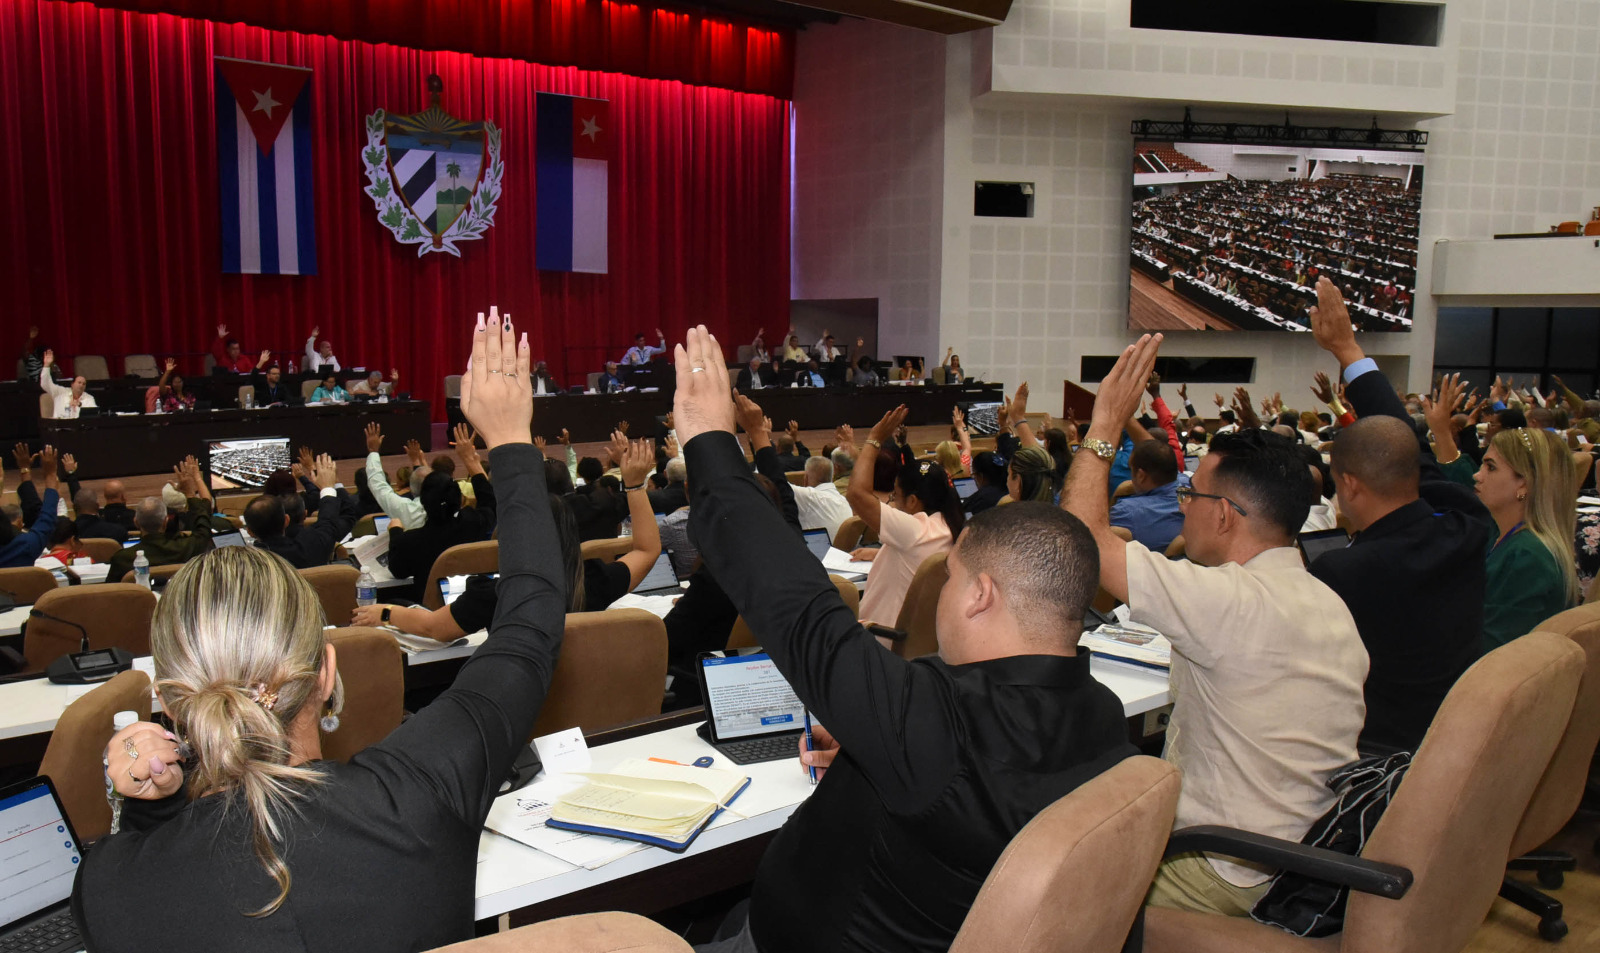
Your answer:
<point x="1187" y="493"/>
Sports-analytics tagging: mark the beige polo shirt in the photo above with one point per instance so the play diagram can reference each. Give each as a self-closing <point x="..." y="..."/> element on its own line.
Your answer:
<point x="1267" y="675"/>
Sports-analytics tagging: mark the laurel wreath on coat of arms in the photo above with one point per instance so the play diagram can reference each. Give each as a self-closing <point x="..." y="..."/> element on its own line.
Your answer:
<point x="440" y="211"/>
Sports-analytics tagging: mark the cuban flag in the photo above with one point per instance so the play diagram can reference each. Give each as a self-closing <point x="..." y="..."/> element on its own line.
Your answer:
<point x="264" y="167"/>
<point x="573" y="184"/>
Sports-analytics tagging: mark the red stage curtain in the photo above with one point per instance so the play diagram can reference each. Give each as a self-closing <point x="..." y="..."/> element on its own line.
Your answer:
<point x="606" y="35"/>
<point x="108" y="156"/>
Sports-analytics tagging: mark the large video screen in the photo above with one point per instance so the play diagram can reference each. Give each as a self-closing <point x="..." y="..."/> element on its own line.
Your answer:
<point x="1230" y="237"/>
<point x="245" y="464"/>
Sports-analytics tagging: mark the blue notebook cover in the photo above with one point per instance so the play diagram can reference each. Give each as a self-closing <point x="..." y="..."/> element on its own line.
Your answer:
<point x="673" y="846"/>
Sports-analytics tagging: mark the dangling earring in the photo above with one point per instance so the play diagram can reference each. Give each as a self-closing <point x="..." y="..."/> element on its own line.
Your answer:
<point x="329" y="722"/>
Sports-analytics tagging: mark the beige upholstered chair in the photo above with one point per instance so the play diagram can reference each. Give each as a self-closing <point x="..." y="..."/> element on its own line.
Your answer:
<point x="116" y="615"/>
<point x="373" y="670"/>
<point x="850" y="533"/>
<point x="101" y="550"/>
<point x="366" y="526"/>
<point x="1562" y="786"/>
<point x="608" y="550"/>
<point x="467" y="559"/>
<point x="612" y="669"/>
<point x="73" y="757"/>
<point x="141" y="365"/>
<point x="1125" y="488"/>
<point x="306" y="387"/>
<point x="1450" y="823"/>
<point x="336" y="590"/>
<point x="1073" y="880"/>
<point x="26" y="584"/>
<point x="452" y="385"/>
<point x="1123" y="533"/>
<point x="47" y="406"/>
<point x="589" y="933"/>
<point x="1177" y="549"/>
<point x="246" y="391"/>
<point x="91" y="367"/>
<point x="742" y="638"/>
<point x="921" y="609"/>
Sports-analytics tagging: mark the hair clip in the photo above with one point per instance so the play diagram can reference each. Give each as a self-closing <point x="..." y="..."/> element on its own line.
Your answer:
<point x="263" y="696"/>
<point x="1527" y="441"/>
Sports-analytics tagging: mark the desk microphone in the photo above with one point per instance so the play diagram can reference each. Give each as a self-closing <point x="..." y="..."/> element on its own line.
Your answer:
<point x="83" y="666"/>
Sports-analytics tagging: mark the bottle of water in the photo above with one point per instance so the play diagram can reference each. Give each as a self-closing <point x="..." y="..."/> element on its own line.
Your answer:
<point x="119" y="721"/>
<point x="141" y="570"/>
<point x="366" y="589"/>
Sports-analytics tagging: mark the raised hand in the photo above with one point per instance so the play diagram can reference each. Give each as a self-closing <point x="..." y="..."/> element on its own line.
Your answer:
<point x="958" y="419"/>
<point x="69" y="464"/>
<point x="1153" y="386"/>
<point x="414" y="452"/>
<point x="540" y="443"/>
<point x="467" y="449"/>
<point x="622" y="427"/>
<point x="23" y="456"/>
<point x="265" y="356"/>
<point x="617" y="448"/>
<point x="752" y="419"/>
<point x="47" y="465"/>
<point x="704" y="399"/>
<point x="1019" y="404"/>
<point x="1330" y="324"/>
<point x="374" y="438"/>
<point x="669" y="420"/>
<point x="222" y="330"/>
<point x="495" y="395"/>
<point x="885" y="429"/>
<point x="316" y="331"/>
<point x="793" y="429"/>
<point x="659" y="335"/>
<point x="566" y="438"/>
<point x="49" y="357"/>
<point x="845" y="436"/>
<point x="325" y="474"/>
<point x="1183" y="393"/>
<point x="671" y="446"/>
<point x="1218" y="398"/>
<point x="1322" y="388"/>
<point x="172" y="364"/>
<point x="394" y="373"/>
<point x="308" y="460"/>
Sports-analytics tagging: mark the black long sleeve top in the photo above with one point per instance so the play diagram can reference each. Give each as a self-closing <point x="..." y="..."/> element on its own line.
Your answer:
<point x="1414" y="582"/>
<point x="941" y="764"/>
<point x="383" y="853"/>
<point x="313" y="545"/>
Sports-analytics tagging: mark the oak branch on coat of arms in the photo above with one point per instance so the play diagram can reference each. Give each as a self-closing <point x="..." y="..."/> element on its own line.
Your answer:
<point x="434" y="179"/>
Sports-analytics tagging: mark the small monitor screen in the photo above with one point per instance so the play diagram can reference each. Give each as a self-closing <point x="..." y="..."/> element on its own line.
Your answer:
<point x="966" y="486"/>
<point x="818" y="542"/>
<point x="982" y="419"/>
<point x="227" y="539"/>
<point x="245" y="464"/>
<point x="1191" y="464"/>
<point x="747" y="695"/>
<point x="380" y="524"/>
<point x="660" y="575"/>
<point x="1314" y="544"/>
<point x="41" y="855"/>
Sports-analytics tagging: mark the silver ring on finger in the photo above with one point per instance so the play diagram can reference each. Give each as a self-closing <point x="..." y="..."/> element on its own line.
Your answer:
<point x="493" y="371"/>
<point x="134" y="779"/>
<point x="697" y="370"/>
<point x="511" y="375"/>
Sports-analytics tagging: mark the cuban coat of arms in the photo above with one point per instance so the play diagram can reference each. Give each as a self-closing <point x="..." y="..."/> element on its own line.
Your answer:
<point x="434" y="179"/>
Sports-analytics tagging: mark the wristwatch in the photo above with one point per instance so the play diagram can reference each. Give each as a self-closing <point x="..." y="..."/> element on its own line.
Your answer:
<point x="386" y="611"/>
<point x="1100" y="448"/>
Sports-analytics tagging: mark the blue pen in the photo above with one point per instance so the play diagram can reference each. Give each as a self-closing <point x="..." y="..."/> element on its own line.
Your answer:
<point x="810" y="769"/>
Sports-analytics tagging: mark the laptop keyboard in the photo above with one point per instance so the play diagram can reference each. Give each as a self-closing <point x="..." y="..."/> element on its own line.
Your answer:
<point x="53" y="934"/>
<point x="757" y="750"/>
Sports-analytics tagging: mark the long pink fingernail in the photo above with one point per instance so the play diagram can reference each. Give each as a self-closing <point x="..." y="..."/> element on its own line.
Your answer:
<point x="524" y="339"/>
<point x="480" y="320"/>
<point x="156" y="767"/>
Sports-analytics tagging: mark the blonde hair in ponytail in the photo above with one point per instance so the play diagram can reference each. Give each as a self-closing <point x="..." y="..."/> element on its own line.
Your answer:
<point x="1551" y="509"/>
<point x="233" y="626"/>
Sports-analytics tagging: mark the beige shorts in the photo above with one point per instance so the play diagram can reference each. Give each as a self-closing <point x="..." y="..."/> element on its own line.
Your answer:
<point x="1189" y="882"/>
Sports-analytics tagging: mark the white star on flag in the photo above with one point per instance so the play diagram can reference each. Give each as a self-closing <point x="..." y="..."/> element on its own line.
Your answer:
<point x="590" y="129"/>
<point x="265" y="102"/>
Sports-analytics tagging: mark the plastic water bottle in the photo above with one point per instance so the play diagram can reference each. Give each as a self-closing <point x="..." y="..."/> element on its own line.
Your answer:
<point x="141" y="570"/>
<point x="119" y="721"/>
<point x="366" y="589"/>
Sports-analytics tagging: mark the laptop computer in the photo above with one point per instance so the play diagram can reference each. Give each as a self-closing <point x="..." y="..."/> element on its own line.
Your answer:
<point x="966" y="486"/>
<point x="1315" y="543"/>
<point x="41" y="855"/>
<point x="818" y="541"/>
<point x="752" y="715"/>
<point x="661" y="580"/>
<point x="220" y="540"/>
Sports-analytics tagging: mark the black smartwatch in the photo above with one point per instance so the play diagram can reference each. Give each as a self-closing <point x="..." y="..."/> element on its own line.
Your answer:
<point x="386" y="611"/>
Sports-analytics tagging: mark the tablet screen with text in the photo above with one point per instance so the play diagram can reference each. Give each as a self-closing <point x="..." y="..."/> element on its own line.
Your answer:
<point x="747" y="696"/>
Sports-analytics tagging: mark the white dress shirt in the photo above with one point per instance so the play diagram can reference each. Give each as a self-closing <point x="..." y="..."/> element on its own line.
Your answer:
<point x="409" y="512"/>
<point x="821" y="506"/>
<point x="62" y="396"/>
<point x="644" y="353"/>
<point x="315" y="360"/>
<point x="1267" y="678"/>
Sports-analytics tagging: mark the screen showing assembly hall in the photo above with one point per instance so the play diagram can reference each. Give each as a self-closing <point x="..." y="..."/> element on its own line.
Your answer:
<point x="1232" y="237"/>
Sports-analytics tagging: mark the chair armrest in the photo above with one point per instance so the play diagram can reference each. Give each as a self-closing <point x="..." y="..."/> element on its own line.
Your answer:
<point x="1367" y="876"/>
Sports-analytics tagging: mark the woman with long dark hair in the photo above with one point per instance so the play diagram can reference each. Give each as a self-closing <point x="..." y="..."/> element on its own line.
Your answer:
<point x="923" y="517"/>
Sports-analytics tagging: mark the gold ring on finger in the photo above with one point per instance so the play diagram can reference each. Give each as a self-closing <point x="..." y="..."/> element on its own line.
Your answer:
<point x="127" y="747"/>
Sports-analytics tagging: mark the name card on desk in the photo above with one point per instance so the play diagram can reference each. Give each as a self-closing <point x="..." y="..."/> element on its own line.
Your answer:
<point x="563" y="752"/>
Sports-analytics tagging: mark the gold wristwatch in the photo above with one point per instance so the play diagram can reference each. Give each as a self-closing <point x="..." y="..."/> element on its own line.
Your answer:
<point x="1100" y="448"/>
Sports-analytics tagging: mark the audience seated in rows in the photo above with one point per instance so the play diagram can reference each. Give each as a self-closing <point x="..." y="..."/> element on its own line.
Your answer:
<point x="162" y="536"/>
<point x="820" y="503"/>
<point x="1151" y="512"/>
<point x="449" y="523"/>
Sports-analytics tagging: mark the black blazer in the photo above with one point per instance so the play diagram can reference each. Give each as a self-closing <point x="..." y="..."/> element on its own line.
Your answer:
<point x="313" y="545"/>
<point x="1414" y="583"/>
<point x="668" y="499"/>
<point x="768" y="379"/>
<point x="94" y="527"/>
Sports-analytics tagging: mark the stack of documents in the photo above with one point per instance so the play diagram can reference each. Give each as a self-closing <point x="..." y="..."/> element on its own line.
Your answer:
<point x="839" y="561"/>
<point x="412" y="644"/>
<point x="648" y="801"/>
<point x="1129" y="642"/>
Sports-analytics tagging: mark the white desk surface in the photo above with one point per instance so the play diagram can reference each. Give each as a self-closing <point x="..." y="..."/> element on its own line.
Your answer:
<point x="512" y="875"/>
<point x="11" y="619"/>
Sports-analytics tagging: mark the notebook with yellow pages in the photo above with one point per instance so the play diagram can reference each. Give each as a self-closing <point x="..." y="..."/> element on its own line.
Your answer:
<point x="653" y="802"/>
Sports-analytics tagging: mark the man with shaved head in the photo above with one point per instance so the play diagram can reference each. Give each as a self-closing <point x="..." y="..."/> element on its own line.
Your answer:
<point x="1413" y="575"/>
<point x="115" y="509"/>
<point x="90" y="525"/>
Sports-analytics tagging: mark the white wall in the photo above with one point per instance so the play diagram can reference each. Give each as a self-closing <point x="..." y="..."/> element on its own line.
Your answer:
<point x="868" y="177"/>
<point x="1027" y="299"/>
<point x="1253" y="163"/>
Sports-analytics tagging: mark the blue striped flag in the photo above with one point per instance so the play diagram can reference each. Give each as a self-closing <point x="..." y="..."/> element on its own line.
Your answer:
<point x="573" y="188"/>
<point x="264" y="168"/>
